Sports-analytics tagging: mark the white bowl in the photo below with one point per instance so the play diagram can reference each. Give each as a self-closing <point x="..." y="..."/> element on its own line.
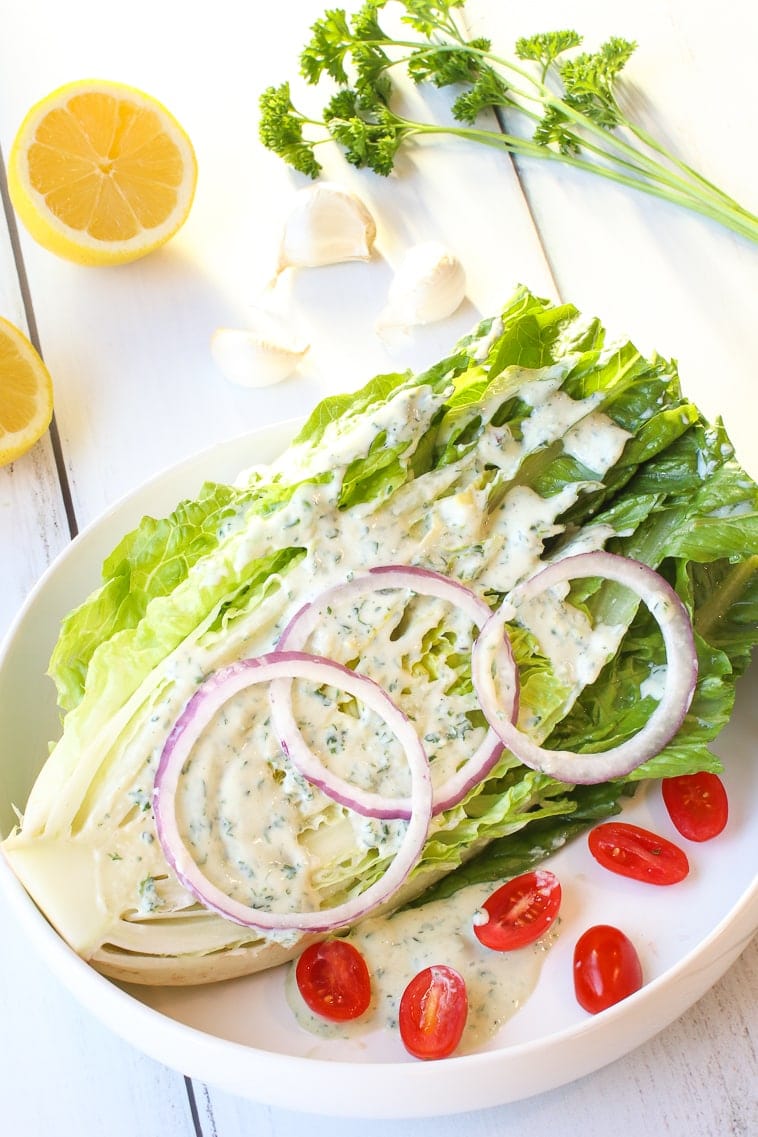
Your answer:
<point x="241" y="1036"/>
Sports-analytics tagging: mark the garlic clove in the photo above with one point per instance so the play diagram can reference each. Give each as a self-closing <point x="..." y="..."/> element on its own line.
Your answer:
<point x="429" y="285"/>
<point x="327" y="224"/>
<point x="258" y="356"/>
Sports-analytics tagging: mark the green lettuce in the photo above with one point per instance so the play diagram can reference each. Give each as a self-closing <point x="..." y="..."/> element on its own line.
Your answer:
<point x="216" y="578"/>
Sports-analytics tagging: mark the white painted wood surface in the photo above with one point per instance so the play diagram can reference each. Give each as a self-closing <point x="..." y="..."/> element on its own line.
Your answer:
<point x="136" y="390"/>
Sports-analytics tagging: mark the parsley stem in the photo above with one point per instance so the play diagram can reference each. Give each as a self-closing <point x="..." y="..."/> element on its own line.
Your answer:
<point x="653" y="144"/>
<point x="622" y="153"/>
<point x="641" y="164"/>
<point x="544" y="97"/>
<point x="746" y="226"/>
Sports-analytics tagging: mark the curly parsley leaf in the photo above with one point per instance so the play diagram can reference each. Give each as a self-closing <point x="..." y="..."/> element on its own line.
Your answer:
<point x="589" y="81"/>
<point x="554" y="130"/>
<point x="365" y="23"/>
<point x="368" y="132"/>
<point x="372" y="68"/>
<point x="489" y="90"/>
<point x="545" y="47"/>
<point x="281" y="130"/>
<point x="327" y="48"/>
<point x="428" y="17"/>
<point x="445" y="67"/>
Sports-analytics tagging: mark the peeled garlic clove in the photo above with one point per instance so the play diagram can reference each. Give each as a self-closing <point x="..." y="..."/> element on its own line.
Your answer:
<point x="258" y="356"/>
<point x="328" y="224"/>
<point x="429" y="285"/>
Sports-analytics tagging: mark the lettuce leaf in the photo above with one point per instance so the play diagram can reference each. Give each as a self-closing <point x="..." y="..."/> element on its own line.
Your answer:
<point x="501" y="424"/>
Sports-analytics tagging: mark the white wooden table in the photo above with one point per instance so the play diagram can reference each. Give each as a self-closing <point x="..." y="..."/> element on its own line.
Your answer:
<point x="136" y="390"/>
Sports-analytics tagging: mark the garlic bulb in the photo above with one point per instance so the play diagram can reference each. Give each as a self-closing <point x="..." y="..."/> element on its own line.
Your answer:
<point x="429" y="285"/>
<point x="260" y="355"/>
<point x="326" y="225"/>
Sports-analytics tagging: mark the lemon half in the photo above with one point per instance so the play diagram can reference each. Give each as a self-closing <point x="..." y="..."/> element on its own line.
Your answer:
<point x="101" y="173"/>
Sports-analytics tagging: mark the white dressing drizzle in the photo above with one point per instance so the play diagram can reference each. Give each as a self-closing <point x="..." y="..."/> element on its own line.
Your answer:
<point x="440" y="520"/>
<point x="397" y="947"/>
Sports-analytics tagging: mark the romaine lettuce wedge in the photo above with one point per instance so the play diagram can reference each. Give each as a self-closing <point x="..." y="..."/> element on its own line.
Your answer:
<point x="535" y="438"/>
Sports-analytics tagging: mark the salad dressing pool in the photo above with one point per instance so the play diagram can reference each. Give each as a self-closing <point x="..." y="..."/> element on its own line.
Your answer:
<point x="397" y="947"/>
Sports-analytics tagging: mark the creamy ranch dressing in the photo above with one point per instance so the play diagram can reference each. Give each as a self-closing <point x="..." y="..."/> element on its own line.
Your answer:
<point x="257" y="828"/>
<point x="508" y="543"/>
<point x="484" y="344"/>
<point x="276" y="851"/>
<point x="397" y="947"/>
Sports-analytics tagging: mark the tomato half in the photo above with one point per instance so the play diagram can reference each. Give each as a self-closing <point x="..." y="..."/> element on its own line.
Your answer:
<point x="520" y="911"/>
<point x="697" y="804"/>
<point x="433" y="1012"/>
<point x="334" y="981"/>
<point x="631" y="851"/>
<point x="607" y="968"/>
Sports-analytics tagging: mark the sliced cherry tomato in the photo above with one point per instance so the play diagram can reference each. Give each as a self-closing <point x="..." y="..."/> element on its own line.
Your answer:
<point x="638" y="853"/>
<point x="697" y="804"/>
<point x="520" y="911"/>
<point x="334" y="981"/>
<point x="433" y="1012"/>
<point x="607" y="968"/>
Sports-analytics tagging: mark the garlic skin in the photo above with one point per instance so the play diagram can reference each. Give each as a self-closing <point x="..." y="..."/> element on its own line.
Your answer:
<point x="258" y="356"/>
<point x="429" y="285"/>
<point x="327" y="224"/>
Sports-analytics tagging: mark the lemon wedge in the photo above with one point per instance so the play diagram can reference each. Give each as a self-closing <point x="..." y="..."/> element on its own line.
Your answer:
<point x="101" y="173"/>
<point x="26" y="394"/>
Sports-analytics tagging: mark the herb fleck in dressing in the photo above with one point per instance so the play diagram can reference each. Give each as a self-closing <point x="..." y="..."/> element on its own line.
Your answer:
<point x="397" y="947"/>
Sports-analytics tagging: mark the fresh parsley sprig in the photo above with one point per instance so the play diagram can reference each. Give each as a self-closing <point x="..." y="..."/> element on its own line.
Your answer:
<point x="566" y="98"/>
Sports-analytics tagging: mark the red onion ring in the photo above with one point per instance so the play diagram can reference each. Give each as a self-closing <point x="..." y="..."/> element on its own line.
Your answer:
<point x="199" y="711"/>
<point x="294" y="636"/>
<point x="681" y="670"/>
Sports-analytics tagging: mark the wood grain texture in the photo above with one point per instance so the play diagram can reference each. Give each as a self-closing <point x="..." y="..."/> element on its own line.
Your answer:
<point x="62" y="1072"/>
<point x="136" y="390"/>
<point x="33" y="525"/>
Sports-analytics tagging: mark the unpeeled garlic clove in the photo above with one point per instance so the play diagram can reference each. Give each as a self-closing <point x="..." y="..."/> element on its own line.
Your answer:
<point x="327" y="224"/>
<point x="258" y="356"/>
<point x="429" y="285"/>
